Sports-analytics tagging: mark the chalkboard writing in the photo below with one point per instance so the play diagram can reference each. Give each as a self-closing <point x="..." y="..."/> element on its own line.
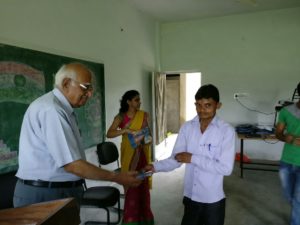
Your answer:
<point x="27" y="74"/>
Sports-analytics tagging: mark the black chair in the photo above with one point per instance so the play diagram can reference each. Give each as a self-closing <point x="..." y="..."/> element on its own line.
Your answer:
<point x="7" y="186"/>
<point x="104" y="197"/>
<point x="295" y="98"/>
<point x="107" y="152"/>
<point x="296" y="95"/>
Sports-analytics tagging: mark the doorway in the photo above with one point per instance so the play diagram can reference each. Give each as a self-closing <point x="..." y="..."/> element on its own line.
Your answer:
<point x="173" y="102"/>
<point x="180" y="92"/>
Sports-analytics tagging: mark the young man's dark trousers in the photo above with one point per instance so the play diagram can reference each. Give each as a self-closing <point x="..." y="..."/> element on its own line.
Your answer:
<point x="196" y="213"/>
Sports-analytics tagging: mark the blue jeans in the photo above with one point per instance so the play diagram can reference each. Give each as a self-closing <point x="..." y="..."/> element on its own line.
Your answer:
<point x="290" y="180"/>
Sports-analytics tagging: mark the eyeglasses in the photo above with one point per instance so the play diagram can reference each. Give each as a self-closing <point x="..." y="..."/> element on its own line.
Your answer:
<point x="85" y="87"/>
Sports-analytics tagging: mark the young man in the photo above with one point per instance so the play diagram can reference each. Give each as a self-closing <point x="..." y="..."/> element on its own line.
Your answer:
<point x="206" y="144"/>
<point x="288" y="131"/>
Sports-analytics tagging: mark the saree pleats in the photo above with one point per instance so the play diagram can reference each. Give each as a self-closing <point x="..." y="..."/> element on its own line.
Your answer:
<point x="137" y="199"/>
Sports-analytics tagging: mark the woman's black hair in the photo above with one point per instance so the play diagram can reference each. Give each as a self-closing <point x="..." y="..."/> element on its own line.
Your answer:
<point x="208" y="91"/>
<point x="129" y="95"/>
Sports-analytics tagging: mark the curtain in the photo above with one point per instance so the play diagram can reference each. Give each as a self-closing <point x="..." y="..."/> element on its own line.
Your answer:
<point x="160" y="107"/>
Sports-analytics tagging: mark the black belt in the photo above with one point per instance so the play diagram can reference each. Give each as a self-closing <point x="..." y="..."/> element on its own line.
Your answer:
<point x="55" y="184"/>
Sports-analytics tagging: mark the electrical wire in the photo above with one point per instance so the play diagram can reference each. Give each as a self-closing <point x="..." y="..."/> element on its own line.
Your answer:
<point x="253" y="110"/>
<point x="270" y="142"/>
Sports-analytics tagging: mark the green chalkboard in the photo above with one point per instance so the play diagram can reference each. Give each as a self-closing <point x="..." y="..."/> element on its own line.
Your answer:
<point x="27" y="74"/>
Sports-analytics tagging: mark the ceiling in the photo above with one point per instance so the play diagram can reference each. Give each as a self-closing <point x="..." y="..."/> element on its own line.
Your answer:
<point x="181" y="10"/>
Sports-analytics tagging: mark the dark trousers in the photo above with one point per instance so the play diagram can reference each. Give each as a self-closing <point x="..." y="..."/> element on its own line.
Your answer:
<point x="196" y="213"/>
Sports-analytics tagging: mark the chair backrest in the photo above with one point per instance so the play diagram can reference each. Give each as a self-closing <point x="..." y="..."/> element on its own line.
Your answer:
<point x="296" y="95"/>
<point x="7" y="187"/>
<point x="107" y="152"/>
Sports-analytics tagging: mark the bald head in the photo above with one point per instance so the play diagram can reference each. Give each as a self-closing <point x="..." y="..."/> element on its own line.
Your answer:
<point x="74" y="80"/>
<point x="71" y="71"/>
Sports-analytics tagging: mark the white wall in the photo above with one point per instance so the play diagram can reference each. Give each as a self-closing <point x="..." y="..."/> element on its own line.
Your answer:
<point x="193" y="82"/>
<point x="256" y="53"/>
<point x="104" y="31"/>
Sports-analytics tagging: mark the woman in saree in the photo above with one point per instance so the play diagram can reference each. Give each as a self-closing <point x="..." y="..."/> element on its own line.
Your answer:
<point x="133" y="124"/>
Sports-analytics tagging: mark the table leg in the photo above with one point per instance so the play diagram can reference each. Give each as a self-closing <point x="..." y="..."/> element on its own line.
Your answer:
<point x="242" y="157"/>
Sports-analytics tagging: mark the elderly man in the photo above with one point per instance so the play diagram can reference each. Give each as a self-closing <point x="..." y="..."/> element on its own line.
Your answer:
<point x="51" y="161"/>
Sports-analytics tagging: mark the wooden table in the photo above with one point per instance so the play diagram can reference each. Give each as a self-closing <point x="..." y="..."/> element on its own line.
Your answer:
<point x="59" y="212"/>
<point x="265" y="165"/>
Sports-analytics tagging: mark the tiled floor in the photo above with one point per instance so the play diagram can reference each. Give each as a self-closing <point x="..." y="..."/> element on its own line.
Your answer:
<point x="162" y="151"/>
<point x="254" y="200"/>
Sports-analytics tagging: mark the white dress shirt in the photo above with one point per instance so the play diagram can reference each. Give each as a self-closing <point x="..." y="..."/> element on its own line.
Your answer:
<point x="49" y="139"/>
<point x="212" y="158"/>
